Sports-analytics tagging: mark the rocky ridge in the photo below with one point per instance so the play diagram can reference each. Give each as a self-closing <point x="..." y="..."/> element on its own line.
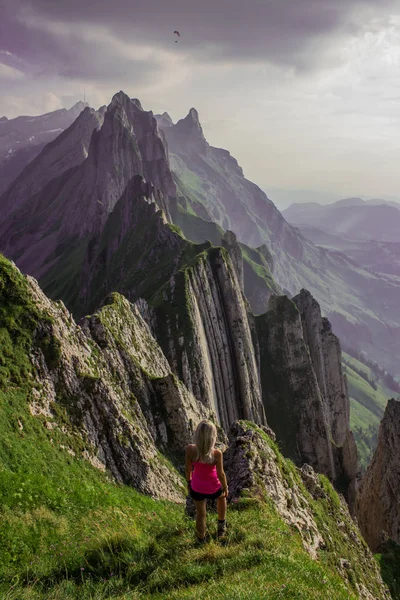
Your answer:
<point x="378" y="504"/>
<point x="205" y="329"/>
<point x="304" y="392"/>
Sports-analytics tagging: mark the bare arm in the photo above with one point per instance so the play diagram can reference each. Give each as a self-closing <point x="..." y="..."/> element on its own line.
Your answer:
<point x="188" y="463"/>
<point x="220" y="471"/>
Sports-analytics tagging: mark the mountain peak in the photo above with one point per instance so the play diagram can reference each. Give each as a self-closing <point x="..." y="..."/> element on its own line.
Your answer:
<point x="166" y="116"/>
<point x="123" y="100"/>
<point x="164" y="121"/>
<point x="188" y="133"/>
<point x="79" y="105"/>
<point x="137" y="103"/>
<point x="194" y="115"/>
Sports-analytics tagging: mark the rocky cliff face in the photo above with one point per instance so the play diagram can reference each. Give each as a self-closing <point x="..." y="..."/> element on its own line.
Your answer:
<point x="304" y="393"/>
<point x="326" y="358"/>
<point x="378" y="507"/>
<point x="109" y="387"/>
<point x="204" y="328"/>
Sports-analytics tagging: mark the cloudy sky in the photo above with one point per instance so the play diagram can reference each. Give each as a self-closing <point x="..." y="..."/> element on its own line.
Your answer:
<point x="304" y="93"/>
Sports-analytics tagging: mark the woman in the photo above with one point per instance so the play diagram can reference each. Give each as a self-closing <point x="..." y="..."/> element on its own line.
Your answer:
<point x="206" y="477"/>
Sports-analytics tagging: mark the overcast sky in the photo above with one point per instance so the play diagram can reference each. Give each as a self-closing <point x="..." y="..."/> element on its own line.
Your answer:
<point x="304" y="93"/>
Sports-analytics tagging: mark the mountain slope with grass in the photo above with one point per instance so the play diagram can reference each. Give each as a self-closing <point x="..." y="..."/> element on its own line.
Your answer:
<point x="377" y="256"/>
<point x="71" y="527"/>
<point x="370" y="388"/>
<point x="361" y="305"/>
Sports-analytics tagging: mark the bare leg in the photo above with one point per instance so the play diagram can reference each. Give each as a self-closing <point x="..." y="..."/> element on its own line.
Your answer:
<point x="221" y="508"/>
<point x="201" y="511"/>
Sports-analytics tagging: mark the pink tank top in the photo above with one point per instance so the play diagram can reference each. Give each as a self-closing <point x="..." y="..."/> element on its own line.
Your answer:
<point x="205" y="478"/>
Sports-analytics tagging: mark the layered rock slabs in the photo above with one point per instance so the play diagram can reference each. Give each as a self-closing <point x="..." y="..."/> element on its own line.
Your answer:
<point x="190" y="295"/>
<point x="378" y="498"/>
<point x="304" y="392"/>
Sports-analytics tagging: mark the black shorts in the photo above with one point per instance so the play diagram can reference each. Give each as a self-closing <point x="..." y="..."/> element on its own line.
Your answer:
<point x="198" y="496"/>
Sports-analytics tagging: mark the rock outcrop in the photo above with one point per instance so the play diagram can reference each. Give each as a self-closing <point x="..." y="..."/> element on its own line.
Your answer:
<point x="251" y="465"/>
<point x="378" y="498"/>
<point x="326" y="358"/>
<point x="255" y="468"/>
<point x="204" y="328"/>
<point x="230" y="242"/>
<point x="113" y="383"/>
<point x="304" y="394"/>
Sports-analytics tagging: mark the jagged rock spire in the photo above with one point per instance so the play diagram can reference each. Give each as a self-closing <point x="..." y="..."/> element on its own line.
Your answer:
<point x="378" y="506"/>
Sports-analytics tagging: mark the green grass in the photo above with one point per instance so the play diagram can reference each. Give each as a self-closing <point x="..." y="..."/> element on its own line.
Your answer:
<point x="67" y="532"/>
<point x="367" y="405"/>
<point x="195" y="228"/>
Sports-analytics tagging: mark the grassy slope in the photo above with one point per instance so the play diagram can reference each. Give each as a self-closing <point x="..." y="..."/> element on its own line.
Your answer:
<point x="367" y="405"/>
<point x="66" y="531"/>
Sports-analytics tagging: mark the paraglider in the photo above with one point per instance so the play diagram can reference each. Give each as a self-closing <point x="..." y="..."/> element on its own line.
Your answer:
<point x="178" y="34"/>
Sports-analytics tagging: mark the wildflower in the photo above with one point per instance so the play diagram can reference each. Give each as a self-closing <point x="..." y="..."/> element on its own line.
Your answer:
<point x="82" y="568"/>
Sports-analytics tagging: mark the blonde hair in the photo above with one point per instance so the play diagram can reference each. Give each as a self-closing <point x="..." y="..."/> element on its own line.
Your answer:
<point x="205" y="438"/>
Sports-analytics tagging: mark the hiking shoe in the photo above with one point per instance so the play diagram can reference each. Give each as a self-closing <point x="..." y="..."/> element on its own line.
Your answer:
<point x="221" y="534"/>
<point x="203" y="540"/>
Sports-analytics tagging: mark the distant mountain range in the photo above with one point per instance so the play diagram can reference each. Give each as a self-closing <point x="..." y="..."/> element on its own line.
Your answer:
<point x="23" y="138"/>
<point x="352" y="218"/>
